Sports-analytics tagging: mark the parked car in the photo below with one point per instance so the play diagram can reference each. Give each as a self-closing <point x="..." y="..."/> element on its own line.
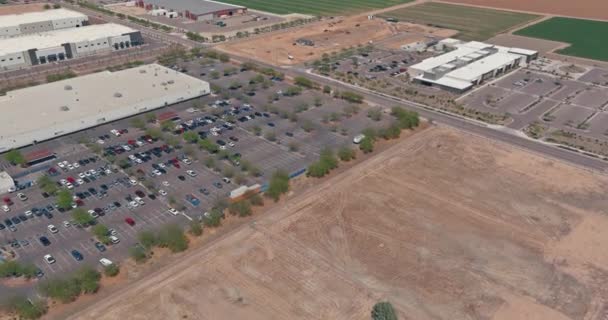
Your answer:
<point x="77" y="255"/>
<point x="49" y="259"/>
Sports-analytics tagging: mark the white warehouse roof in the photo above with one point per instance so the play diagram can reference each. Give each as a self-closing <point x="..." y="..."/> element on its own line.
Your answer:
<point x="492" y="62"/>
<point x="33" y="17"/>
<point x="56" y="38"/>
<point x="50" y="110"/>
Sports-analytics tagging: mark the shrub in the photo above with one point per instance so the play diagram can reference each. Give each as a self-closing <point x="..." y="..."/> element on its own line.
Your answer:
<point x="241" y="208"/>
<point x="112" y="270"/>
<point x="367" y="145"/>
<point x="346" y="154"/>
<point x="26" y="308"/>
<point x="138" y="254"/>
<point x="279" y="184"/>
<point x="172" y="237"/>
<point x="383" y="311"/>
<point x="195" y="229"/>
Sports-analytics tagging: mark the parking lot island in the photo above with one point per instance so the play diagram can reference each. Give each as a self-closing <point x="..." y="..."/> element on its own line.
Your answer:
<point x="47" y="111"/>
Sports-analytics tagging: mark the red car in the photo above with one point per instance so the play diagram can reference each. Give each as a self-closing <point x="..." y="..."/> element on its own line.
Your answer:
<point x="8" y="201"/>
<point x="130" y="221"/>
<point x="71" y="180"/>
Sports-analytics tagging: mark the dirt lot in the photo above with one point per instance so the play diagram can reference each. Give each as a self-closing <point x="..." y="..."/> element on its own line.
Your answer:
<point x="328" y="36"/>
<point x="22" y="8"/>
<point x="443" y="224"/>
<point x="593" y="9"/>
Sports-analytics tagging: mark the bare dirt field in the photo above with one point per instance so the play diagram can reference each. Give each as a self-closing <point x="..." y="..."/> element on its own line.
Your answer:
<point x="21" y="8"/>
<point x="443" y="224"/>
<point x="328" y="36"/>
<point x="593" y="9"/>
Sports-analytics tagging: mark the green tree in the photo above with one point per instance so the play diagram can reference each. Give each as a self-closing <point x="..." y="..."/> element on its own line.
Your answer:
<point x="214" y="75"/>
<point x="224" y="57"/>
<point x="138" y="254"/>
<point x="191" y="136"/>
<point x="241" y="208"/>
<point x="112" y="270"/>
<point x="367" y="145"/>
<point x="278" y="185"/>
<point x="167" y="125"/>
<point x="47" y="184"/>
<point x="383" y="311"/>
<point x="64" y="199"/>
<point x="88" y="279"/>
<point x="150" y="117"/>
<point x="304" y="82"/>
<point x="81" y="217"/>
<point x="172" y="236"/>
<point x="351" y="97"/>
<point x="406" y="119"/>
<point x="307" y="125"/>
<point x="147" y="239"/>
<point x="346" y="153"/>
<point x="292" y="91"/>
<point x="195" y="228"/>
<point x="102" y="233"/>
<point x="26" y="308"/>
<point x="154" y="133"/>
<point x="138" y="123"/>
<point x="326" y="89"/>
<point x="256" y="200"/>
<point x="15" y="157"/>
<point x="270" y="136"/>
<point x="214" y="219"/>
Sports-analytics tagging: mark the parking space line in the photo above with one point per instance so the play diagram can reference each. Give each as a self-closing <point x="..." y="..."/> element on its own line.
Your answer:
<point x="85" y="248"/>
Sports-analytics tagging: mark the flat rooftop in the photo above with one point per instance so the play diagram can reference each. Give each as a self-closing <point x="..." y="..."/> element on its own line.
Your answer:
<point x="492" y="62"/>
<point x="58" y="37"/>
<point x="10" y="20"/>
<point x="92" y="99"/>
<point x="194" y="6"/>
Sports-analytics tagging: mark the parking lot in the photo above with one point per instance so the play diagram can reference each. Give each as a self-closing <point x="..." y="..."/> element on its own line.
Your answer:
<point x="530" y="96"/>
<point x="267" y="129"/>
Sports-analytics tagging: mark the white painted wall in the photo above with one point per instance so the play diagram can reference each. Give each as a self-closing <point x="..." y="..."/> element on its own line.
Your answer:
<point x="12" y="60"/>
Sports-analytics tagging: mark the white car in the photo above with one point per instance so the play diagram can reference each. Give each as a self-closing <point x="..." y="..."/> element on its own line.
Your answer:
<point x="75" y="165"/>
<point x="187" y="161"/>
<point x="66" y="224"/>
<point x="49" y="259"/>
<point x="69" y="186"/>
<point x="28" y="214"/>
<point x="133" y="181"/>
<point x="133" y="204"/>
<point x="21" y="196"/>
<point x="60" y="165"/>
<point x="12" y="189"/>
<point x="162" y="192"/>
<point x="114" y="239"/>
<point x="138" y="160"/>
<point x="358" y="138"/>
<point x="80" y="182"/>
<point x="231" y="144"/>
<point x="191" y="173"/>
<point x="226" y="179"/>
<point x="82" y="175"/>
<point x="162" y="165"/>
<point x="115" y="132"/>
<point x="165" y="183"/>
<point x="173" y="211"/>
<point x="100" y="141"/>
<point x="214" y="133"/>
<point x="105" y="262"/>
<point x="126" y="147"/>
<point x="223" y="147"/>
<point x="52" y="228"/>
<point x="70" y="167"/>
<point x="6" y="208"/>
<point x="139" y="201"/>
<point x="112" y="232"/>
<point x="156" y="172"/>
<point x="63" y="182"/>
<point x="93" y="214"/>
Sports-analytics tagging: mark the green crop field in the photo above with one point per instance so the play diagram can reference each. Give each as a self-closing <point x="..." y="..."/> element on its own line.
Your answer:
<point x="318" y="7"/>
<point x="473" y="23"/>
<point x="587" y="37"/>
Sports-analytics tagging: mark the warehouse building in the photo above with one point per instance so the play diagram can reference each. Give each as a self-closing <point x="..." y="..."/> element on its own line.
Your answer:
<point x="199" y="10"/>
<point x="47" y="111"/>
<point x="59" y="45"/>
<point x="33" y="22"/>
<point x="468" y="64"/>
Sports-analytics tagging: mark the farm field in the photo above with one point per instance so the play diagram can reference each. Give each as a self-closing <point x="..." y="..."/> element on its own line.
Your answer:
<point x="317" y="8"/>
<point x="593" y="9"/>
<point x="587" y="37"/>
<point x="473" y="23"/>
<point x="444" y="225"/>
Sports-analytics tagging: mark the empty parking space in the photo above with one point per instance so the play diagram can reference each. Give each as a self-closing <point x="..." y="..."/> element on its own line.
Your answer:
<point x="592" y="97"/>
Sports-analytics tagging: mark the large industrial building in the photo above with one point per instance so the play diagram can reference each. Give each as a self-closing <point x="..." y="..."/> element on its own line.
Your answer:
<point x="198" y="10"/>
<point x="468" y="64"/>
<point x="65" y="44"/>
<point x="33" y="22"/>
<point x="54" y="109"/>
